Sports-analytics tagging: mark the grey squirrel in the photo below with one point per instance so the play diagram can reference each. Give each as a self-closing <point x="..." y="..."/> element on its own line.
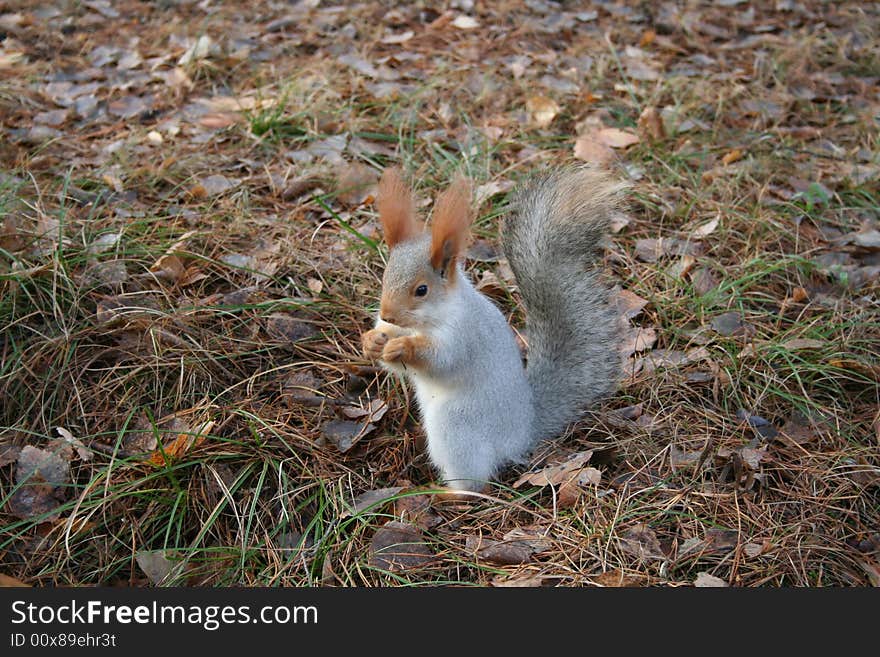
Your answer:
<point x="481" y="408"/>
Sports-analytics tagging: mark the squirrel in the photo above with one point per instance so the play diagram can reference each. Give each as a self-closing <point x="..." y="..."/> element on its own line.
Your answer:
<point x="481" y="407"/>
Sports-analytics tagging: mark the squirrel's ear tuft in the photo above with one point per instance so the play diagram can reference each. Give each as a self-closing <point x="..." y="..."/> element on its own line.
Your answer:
<point x="396" y="208"/>
<point x="450" y="224"/>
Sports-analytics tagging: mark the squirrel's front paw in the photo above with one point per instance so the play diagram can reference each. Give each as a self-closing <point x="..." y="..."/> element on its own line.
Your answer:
<point x="399" y="350"/>
<point x="374" y="342"/>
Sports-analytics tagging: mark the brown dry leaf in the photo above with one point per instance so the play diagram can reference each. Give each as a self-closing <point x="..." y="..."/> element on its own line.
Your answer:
<point x="356" y="184"/>
<point x="214" y="185"/>
<point x="374" y="410"/>
<point x="803" y="343"/>
<point x="169" y="267"/>
<point x="464" y="22"/>
<point x="616" y="579"/>
<point x="630" y="304"/>
<point x="345" y="434"/>
<point x="641" y="542"/>
<point x="155" y="564"/>
<point x="8" y="581"/>
<point x="542" y="110"/>
<point x="638" y="339"/>
<point x="492" y="188"/>
<point x="704" y="281"/>
<point x="732" y="156"/>
<point x="651" y="250"/>
<point x="193" y="274"/>
<point x="706" y="229"/>
<point x="681" y="458"/>
<point x="568" y="470"/>
<point x="219" y="120"/>
<point x="705" y="580"/>
<point x="287" y="328"/>
<point x="129" y="107"/>
<point x="399" y="546"/>
<point x="731" y="324"/>
<point x="9" y="454"/>
<point x="181" y="445"/>
<point x="872" y="570"/>
<point x="499" y="552"/>
<point x="522" y="580"/>
<point x="616" y="138"/>
<point x="681" y="267"/>
<point x="42" y="477"/>
<point x="492" y="286"/>
<point x="84" y="452"/>
<point x="370" y="499"/>
<point x="590" y="149"/>
<point x="650" y="125"/>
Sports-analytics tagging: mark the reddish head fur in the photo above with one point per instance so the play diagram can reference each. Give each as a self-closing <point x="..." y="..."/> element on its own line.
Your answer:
<point x="396" y="208"/>
<point x="450" y="224"/>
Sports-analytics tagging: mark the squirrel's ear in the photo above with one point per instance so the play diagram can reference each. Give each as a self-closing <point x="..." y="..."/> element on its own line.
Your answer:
<point x="396" y="208"/>
<point x="449" y="227"/>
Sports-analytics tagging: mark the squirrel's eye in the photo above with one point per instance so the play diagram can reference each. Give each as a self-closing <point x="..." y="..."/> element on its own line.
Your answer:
<point x="421" y="290"/>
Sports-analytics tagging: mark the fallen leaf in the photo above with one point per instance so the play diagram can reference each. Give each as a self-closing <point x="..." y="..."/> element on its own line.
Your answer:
<point x="345" y="434"/>
<point x="590" y="149"/>
<point x="542" y="110"/>
<point x="641" y="542"/>
<point x="650" y="125"/>
<point x="616" y="138"/>
<point x="287" y="328"/>
<point x="356" y="183"/>
<point x="764" y="427"/>
<point x="9" y="454"/>
<point x="129" y="107"/>
<point x="201" y="49"/>
<point x="524" y="580"/>
<point x="706" y="229"/>
<point x="803" y="343"/>
<point x="651" y="250"/>
<point x="705" y="580"/>
<point x="84" y="452"/>
<point x="42" y="477"/>
<point x="218" y="120"/>
<point x="370" y="499"/>
<point x="616" y="579"/>
<point x="638" y="339"/>
<point x="630" y="304"/>
<point x="168" y="267"/>
<point x="704" y="281"/>
<point x="681" y="267"/>
<point x="7" y="581"/>
<point x="680" y="458"/>
<point x="155" y="564"/>
<point x="557" y="474"/>
<point x="492" y="188"/>
<point x="214" y="185"/>
<point x="399" y="546"/>
<point x="732" y="156"/>
<point x="403" y="37"/>
<point x="183" y="443"/>
<point x="464" y="22"/>
<point x="315" y="285"/>
<point x="730" y="324"/>
<point x="374" y="411"/>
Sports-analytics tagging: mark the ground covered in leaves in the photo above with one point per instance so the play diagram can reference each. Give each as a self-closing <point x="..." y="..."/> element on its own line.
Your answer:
<point x="189" y="253"/>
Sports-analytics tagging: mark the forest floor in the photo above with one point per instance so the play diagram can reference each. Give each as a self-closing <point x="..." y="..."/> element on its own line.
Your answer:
<point x="189" y="253"/>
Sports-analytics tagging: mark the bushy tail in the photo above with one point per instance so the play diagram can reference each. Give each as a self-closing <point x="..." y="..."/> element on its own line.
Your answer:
<point x="551" y="240"/>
